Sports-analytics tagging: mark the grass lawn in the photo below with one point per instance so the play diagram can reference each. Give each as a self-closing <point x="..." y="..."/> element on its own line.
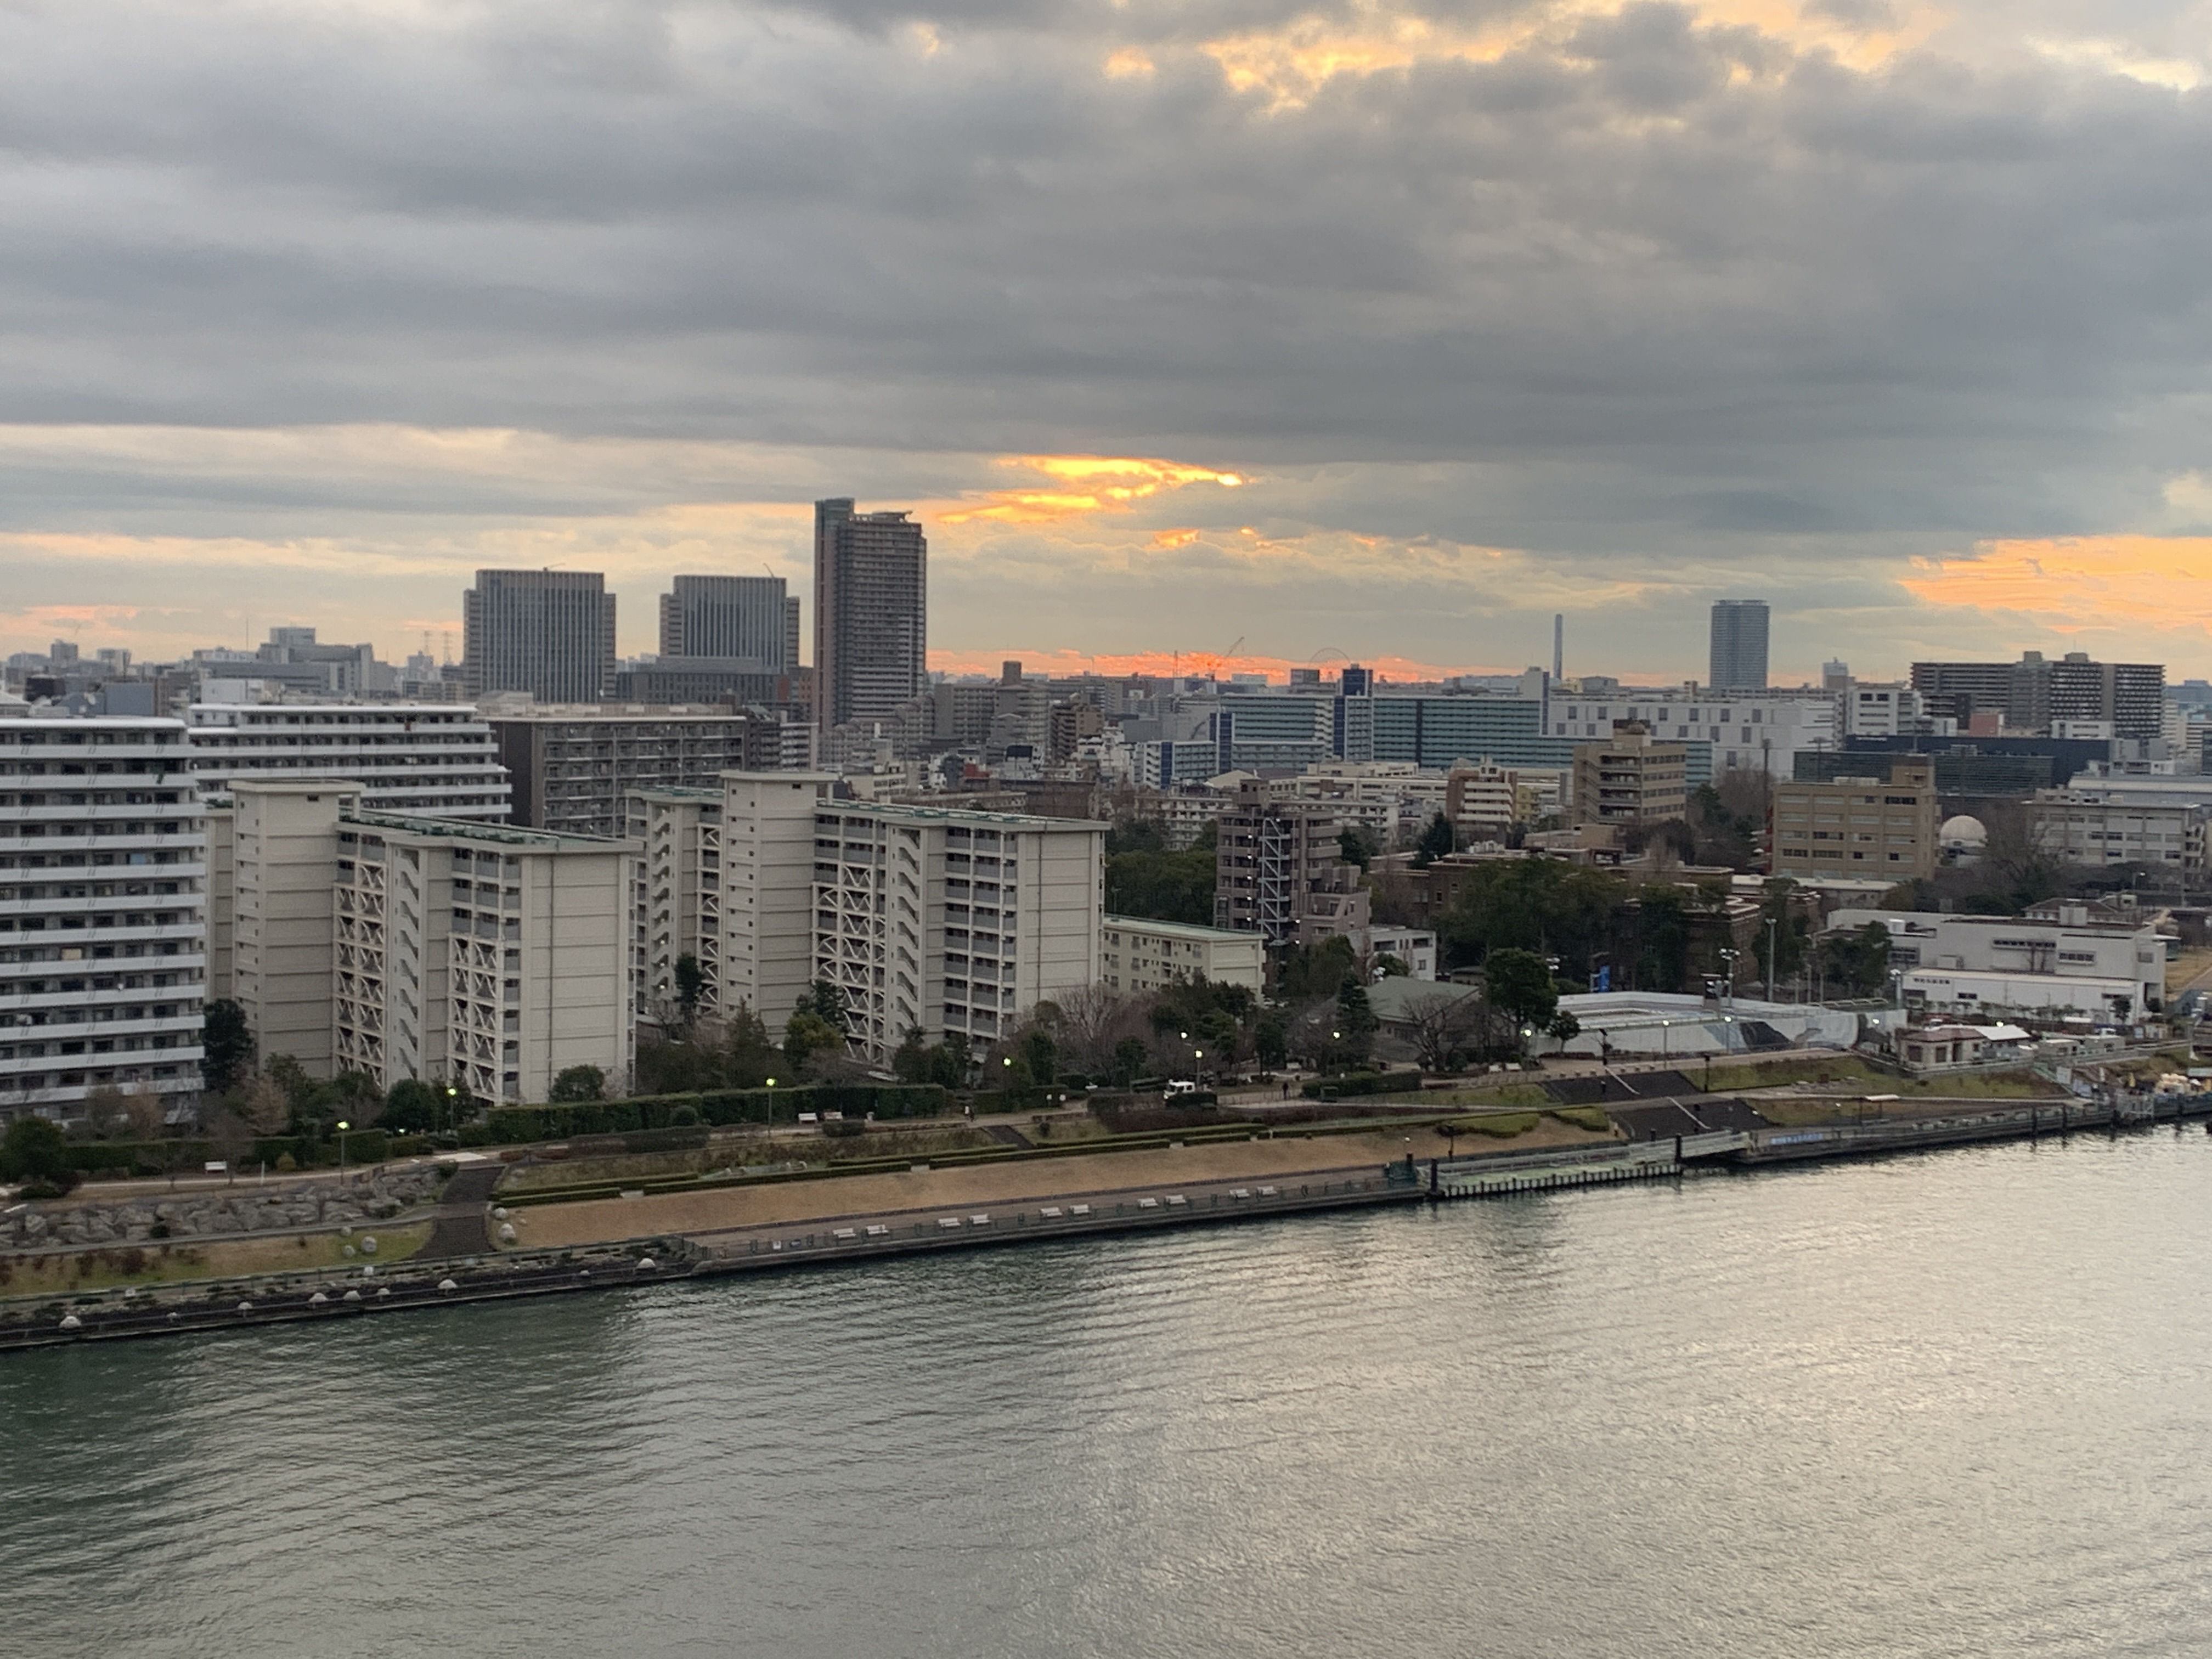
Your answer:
<point x="176" y="1260"/>
<point x="2185" y="968"/>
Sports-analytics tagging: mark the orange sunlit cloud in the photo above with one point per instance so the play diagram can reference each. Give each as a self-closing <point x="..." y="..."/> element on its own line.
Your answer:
<point x="1062" y="661"/>
<point x="1291" y="62"/>
<point x="1082" y="484"/>
<point x="2079" y="583"/>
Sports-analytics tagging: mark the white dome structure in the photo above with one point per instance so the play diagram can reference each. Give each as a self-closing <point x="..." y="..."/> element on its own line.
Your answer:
<point x="1962" y="840"/>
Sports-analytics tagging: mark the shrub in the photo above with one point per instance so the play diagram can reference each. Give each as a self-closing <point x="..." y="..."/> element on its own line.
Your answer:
<point x="286" y="1162"/>
<point x="1499" y="1125"/>
<point x="1583" y="1117"/>
<point x="1351" y="1083"/>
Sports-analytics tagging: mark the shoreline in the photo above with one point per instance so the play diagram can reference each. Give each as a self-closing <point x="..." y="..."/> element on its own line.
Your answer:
<point x="830" y="1238"/>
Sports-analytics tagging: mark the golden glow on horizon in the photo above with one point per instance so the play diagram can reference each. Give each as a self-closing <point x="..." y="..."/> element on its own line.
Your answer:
<point x="1085" y="483"/>
<point x="1064" y="662"/>
<point x="1291" y="63"/>
<point x="2077" y="584"/>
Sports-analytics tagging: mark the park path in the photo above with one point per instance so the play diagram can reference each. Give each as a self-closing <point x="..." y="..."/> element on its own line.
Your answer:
<point x="462" y="1225"/>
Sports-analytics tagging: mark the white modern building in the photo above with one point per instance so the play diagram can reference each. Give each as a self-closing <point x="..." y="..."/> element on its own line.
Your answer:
<point x="2070" y="968"/>
<point x="2117" y="825"/>
<point x="413" y="947"/>
<point x="1139" y="954"/>
<point x="1760" y="732"/>
<point x="434" y="760"/>
<point x="103" y="925"/>
<point x="924" y="918"/>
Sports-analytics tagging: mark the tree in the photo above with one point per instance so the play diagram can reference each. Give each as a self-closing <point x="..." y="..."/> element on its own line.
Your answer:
<point x="1436" y="842"/>
<point x="805" y="1035"/>
<point x="413" y="1105"/>
<point x="1147" y="880"/>
<point x="1564" y="1029"/>
<point x="691" y="985"/>
<point x="1441" y="1024"/>
<point x="1271" y="1045"/>
<point x="35" y="1152"/>
<point x="1356" y="1024"/>
<point x="1857" y="962"/>
<point x="1314" y="971"/>
<point x="750" y="1057"/>
<point x="287" y="1074"/>
<point x="827" y="1000"/>
<point x="1039" y="1054"/>
<point x="226" y="1045"/>
<point x="231" y="1136"/>
<point x="105" y="1112"/>
<point x="268" y="1108"/>
<point x="142" y="1106"/>
<point x="1353" y="846"/>
<point x="1129" y="1056"/>
<point x="578" y="1083"/>
<point x="1519" y="986"/>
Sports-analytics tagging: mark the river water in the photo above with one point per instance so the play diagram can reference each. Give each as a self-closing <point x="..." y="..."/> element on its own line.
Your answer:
<point x="1956" y="1404"/>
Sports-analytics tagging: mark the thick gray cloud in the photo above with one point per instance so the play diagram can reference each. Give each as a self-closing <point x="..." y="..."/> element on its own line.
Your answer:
<point x="1647" y="285"/>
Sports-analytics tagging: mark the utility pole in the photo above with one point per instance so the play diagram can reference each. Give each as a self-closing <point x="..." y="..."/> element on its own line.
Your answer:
<point x="1772" y="923"/>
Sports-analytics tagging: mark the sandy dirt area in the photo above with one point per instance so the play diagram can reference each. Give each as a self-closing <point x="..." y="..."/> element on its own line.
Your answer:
<point x="1029" y="1181"/>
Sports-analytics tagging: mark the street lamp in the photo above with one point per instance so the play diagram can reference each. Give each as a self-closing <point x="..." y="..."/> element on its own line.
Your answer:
<point x="343" y="1127"/>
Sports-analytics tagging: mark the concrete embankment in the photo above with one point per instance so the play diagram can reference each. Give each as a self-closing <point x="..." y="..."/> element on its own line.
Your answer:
<point x="299" y="1298"/>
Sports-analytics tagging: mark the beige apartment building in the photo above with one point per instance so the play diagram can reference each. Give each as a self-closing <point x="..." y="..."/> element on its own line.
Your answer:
<point x="404" y="947"/>
<point x="929" y="918"/>
<point x="1858" y="826"/>
<point x="1630" y="778"/>
<point x="1139" y="954"/>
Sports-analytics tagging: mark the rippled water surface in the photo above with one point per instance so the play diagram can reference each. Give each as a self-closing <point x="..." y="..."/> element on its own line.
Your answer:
<point x="1952" y="1404"/>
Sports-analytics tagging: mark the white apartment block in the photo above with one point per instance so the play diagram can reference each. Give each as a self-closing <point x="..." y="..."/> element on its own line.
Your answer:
<point x="103" y="863"/>
<point x="437" y="761"/>
<point x="2099" y="827"/>
<point x="1139" y="954"/>
<point x="929" y="918"/>
<point x="1759" y="732"/>
<point x="413" y="947"/>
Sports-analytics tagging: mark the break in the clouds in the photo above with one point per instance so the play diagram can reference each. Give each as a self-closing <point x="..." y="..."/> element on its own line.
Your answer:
<point x="1426" y="321"/>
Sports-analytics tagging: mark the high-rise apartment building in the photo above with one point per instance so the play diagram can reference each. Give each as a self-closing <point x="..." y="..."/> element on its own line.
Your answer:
<point x="549" y="633"/>
<point x="403" y="947"/>
<point x="1739" y="646"/>
<point x="103" y="923"/>
<point x="2039" y="696"/>
<point x="871" y="612"/>
<point x="929" y="919"/>
<point x="741" y="618"/>
<point x="438" y="762"/>
<point x="575" y="768"/>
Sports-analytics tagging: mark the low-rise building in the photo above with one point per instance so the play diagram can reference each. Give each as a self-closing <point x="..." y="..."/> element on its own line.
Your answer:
<point x="2070" y="967"/>
<point x="1139" y="954"/>
<point x="1859" y="826"/>
<point x="2114" y="825"/>
<point x="103" y="923"/>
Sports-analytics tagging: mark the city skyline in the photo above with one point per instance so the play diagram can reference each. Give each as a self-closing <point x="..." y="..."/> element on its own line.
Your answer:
<point x="1387" y="332"/>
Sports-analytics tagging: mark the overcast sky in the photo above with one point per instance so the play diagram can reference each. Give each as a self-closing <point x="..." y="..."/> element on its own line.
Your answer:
<point x="1408" y="325"/>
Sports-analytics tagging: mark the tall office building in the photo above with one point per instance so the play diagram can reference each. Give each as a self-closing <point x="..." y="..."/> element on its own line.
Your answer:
<point x="748" y="618"/>
<point x="871" y="612"/>
<point x="550" y="632"/>
<point x="1738" y="654"/>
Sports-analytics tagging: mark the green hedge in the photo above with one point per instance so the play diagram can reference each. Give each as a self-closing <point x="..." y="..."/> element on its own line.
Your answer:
<point x="1363" y="1082"/>
<point x="643" y="1113"/>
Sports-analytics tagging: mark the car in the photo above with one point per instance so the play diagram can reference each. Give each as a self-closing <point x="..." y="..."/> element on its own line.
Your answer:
<point x="1178" y="1085"/>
